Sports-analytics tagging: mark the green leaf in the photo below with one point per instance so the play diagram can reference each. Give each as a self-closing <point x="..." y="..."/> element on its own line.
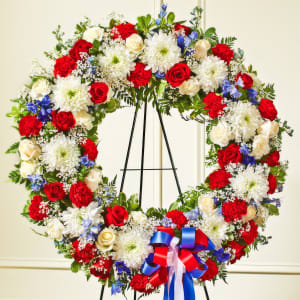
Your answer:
<point x="170" y="17"/>
<point x="210" y="32"/>
<point x="13" y="148"/>
<point x="174" y="206"/>
<point x="75" y="266"/>
<point x="273" y="210"/>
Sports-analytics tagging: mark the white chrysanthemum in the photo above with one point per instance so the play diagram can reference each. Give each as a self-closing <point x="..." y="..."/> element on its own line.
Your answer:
<point x="245" y="119"/>
<point x="69" y="94"/>
<point x="117" y="62"/>
<point x="61" y="153"/>
<point x="211" y="73"/>
<point x="161" y="52"/>
<point x="73" y="217"/>
<point x="132" y="247"/>
<point x="250" y="184"/>
<point x="214" y="226"/>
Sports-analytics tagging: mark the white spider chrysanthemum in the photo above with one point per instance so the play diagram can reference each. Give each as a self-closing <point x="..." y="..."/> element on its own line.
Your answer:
<point x="61" y="153"/>
<point x="73" y="217"/>
<point x="211" y="73"/>
<point x="161" y="52"/>
<point x="117" y="62"/>
<point x="69" y="94"/>
<point x="132" y="247"/>
<point x="244" y="118"/>
<point x="214" y="226"/>
<point x="251" y="183"/>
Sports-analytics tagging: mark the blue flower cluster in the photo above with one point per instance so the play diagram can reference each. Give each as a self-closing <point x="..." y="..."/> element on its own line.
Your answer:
<point x="44" y="107"/>
<point x="37" y="182"/>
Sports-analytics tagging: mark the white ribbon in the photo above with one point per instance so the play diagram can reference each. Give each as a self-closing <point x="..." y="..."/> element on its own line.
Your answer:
<point x="177" y="268"/>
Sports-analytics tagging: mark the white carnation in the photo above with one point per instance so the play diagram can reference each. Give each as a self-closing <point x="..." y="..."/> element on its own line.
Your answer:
<point x="55" y="229"/>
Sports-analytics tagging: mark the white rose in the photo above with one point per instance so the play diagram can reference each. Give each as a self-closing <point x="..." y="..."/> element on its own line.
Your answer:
<point x="40" y="88"/>
<point x="190" y="87"/>
<point x="84" y="119"/>
<point x="93" y="179"/>
<point x="93" y="33"/>
<point x="269" y="129"/>
<point x="251" y="213"/>
<point x="27" y="168"/>
<point x="55" y="229"/>
<point x="29" y="149"/>
<point x="134" y="43"/>
<point x="260" y="146"/>
<point x="106" y="239"/>
<point x="221" y="134"/>
<point x="206" y="203"/>
<point x="201" y="48"/>
<point x="138" y="217"/>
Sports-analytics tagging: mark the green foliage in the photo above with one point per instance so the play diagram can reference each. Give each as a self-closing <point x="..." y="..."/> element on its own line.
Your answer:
<point x="229" y="41"/>
<point x="75" y="266"/>
<point x="273" y="210"/>
<point x="279" y="172"/>
<point x="196" y="17"/>
<point x="16" y="177"/>
<point x="158" y="213"/>
<point x="144" y="24"/>
<point x="13" y="148"/>
<point x="269" y="91"/>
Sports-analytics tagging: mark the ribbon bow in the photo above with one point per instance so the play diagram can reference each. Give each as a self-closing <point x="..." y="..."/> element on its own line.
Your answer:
<point x="174" y="264"/>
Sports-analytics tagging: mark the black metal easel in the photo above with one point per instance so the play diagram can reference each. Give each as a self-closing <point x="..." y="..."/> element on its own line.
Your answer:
<point x="142" y="169"/>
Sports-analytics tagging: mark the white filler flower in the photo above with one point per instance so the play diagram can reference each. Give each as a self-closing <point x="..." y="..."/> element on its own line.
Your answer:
<point x="161" y="52"/>
<point x="69" y="94"/>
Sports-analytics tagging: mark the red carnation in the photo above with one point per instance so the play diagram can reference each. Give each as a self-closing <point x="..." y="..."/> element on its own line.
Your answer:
<point x="179" y="28"/>
<point x="231" y="154"/>
<point x="99" y="92"/>
<point x="84" y="253"/>
<point x="30" y="125"/>
<point x="211" y="272"/>
<point x="214" y="105"/>
<point x="267" y="109"/>
<point x="272" y="159"/>
<point x="178" y="74"/>
<point x="38" y="209"/>
<point x="238" y="249"/>
<point x="63" y="120"/>
<point x="139" y="283"/>
<point x="80" y="194"/>
<point x="249" y="232"/>
<point x="234" y="210"/>
<point x="90" y="149"/>
<point x="272" y="184"/>
<point x="247" y="80"/>
<point x="64" y="66"/>
<point x="177" y="218"/>
<point x="123" y="31"/>
<point x="101" y="268"/>
<point x="116" y="215"/>
<point x="219" y="179"/>
<point x="81" y="46"/>
<point x="223" y="52"/>
<point x="54" y="191"/>
<point x="139" y="76"/>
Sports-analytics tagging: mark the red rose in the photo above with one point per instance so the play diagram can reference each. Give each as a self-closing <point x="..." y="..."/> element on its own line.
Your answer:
<point x="81" y="46"/>
<point x="234" y="210"/>
<point x="179" y="28"/>
<point x="116" y="215"/>
<point x="272" y="159"/>
<point x="178" y="74"/>
<point x="139" y="76"/>
<point x="238" y="249"/>
<point x="211" y="272"/>
<point x="38" y="209"/>
<point x="267" y="109"/>
<point x="272" y="184"/>
<point x="80" y="194"/>
<point x="54" y="191"/>
<point x="223" y="52"/>
<point x="219" y="179"/>
<point x="90" y="149"/>
<point x="214" y="105"/>
<point x="101" y="268"/>
<point x="84" y="253"/>
<point x="231" y="154"/>
<point x="139" y="283"/>
<point x="63" y="120"/>
<point x="64" y="66"/>
<point x="247" y="80"/>
<point x="123" y="31"/>
<point x="99" y="92"/>
<point x="177" y="218"/>
<point x="30" y="125"/>
<point x="249" y="232"/>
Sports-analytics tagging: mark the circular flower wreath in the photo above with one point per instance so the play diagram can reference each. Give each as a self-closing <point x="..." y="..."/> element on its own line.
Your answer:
<point x="102" y="69"/>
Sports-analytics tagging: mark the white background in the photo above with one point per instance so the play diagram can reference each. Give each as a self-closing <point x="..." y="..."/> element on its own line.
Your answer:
<point x="268" y="31"/>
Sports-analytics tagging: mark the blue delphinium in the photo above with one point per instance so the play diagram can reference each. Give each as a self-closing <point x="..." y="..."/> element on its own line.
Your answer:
<point x="84" y="160"/>
<point x="31" y="107"/>
<point x="274" y="200"/>
<point x="116" y="287"/>
<point x="193" y="214"/>
<point x="230" y="89"/>
<point x="252" y="93"/>
<point x="244" y="149"/>
<point x="122" y="268"/>
<point x="221" y="255"/>
<point x="160" y="75"/>
<point x="37" y="182"/>
<point x="90" y="231"/>
<point x="248" y="160"/>
<point x="45" y="109"/>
